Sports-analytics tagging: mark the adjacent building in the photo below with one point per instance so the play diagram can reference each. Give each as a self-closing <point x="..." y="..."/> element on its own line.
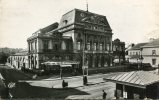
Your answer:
<point x="118" y="52"/>
<point x="145" y="53"/>
<point x="19" y="60"/>
<point x="134" y="53"/>
<point x="150" y="53"/>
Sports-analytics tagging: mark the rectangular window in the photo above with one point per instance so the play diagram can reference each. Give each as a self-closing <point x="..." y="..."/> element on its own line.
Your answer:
<point x="101" y="47"/>
<point x="153" y="61"/>
<point x="130" y="53"/>
<point x="108" y="47"/>
<point x="114" y="48"/>
<point x="32" y="45"/>
<point x="88" y="46"/>
<point x="153" y="52"/>
<point x="55" y="46"/>
<point x="46" y="44"/>
<point x="35" y="45"/>
<point x="78" y="45"/>
<point x="95" y="46"/>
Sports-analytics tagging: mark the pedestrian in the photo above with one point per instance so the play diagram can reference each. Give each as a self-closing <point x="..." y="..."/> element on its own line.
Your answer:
<point x="84" y="80"/>
<point x="104" y="94"/>
<point x="63" y="83"/>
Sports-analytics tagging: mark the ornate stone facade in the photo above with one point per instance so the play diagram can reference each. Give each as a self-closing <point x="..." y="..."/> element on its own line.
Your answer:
<point x="80" y="36"/>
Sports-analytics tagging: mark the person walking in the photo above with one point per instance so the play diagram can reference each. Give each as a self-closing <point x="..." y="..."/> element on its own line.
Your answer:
<point x="104" y="94"/>
<point x="63" y="83"/>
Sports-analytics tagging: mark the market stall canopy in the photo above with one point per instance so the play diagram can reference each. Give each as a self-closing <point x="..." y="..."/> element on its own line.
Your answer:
<point x="135" y="78"/>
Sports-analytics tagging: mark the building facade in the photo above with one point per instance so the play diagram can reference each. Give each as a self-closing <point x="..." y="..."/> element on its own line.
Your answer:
<point x="81" y="36"/>
<point x="134" y="53"/>
<point x="150" y="53"/>
<point x="19" y="60"/>
<point x="91" y="36"/>
<point x="118" y="48"/>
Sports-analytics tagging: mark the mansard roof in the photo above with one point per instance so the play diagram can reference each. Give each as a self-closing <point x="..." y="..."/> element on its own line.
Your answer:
<point x="77" y="16"/>
<point x="49" y="28"/>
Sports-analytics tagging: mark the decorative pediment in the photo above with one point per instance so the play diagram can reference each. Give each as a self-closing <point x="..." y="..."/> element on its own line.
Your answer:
<point x="94" y="19"/>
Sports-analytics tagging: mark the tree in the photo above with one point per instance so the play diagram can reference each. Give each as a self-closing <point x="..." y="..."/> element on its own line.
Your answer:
<point x="3" y="57"/>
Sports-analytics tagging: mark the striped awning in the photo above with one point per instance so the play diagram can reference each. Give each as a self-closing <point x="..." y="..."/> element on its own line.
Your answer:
<point x="135" y="78"/>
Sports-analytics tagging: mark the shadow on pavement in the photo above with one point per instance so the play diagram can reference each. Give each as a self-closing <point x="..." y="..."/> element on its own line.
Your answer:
<point x="13" y="75"/>
<point x="24" y="90"/>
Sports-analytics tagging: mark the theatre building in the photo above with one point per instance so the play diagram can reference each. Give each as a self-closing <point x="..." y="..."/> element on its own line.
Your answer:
<point x="80" y="38"/>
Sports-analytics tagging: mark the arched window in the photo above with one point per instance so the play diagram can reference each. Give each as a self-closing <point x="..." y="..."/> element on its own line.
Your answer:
<point x="95" y="46"/>
<point x="63" y="45"/>
<point x="78" y="45"/>
<point x="88" y="46"/>
<point x="101" y="46"/>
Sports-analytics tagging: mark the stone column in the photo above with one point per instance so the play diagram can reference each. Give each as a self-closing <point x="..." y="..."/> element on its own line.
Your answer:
<point x="110" y="44"/>
<point x="37" y="60"/>
<point x="28" y="46"/>
<point x="99" y="61"/>
<point x="37" y="45"/>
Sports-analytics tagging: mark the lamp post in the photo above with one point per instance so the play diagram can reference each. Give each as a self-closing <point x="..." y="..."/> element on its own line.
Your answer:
<point x="83" y="51"/>
<point x="141" y="58"/>
<point x="158" y="69"/>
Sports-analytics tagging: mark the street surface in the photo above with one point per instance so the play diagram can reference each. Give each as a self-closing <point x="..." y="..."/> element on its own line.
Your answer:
<point x="51" y="88"/>
<point x="93" y="90"/>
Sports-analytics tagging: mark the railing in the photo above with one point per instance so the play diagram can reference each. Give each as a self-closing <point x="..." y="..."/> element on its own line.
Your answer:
<point x="68" y="51"/>
<point x="53" y="50"/>
<point x="93" y="51"/>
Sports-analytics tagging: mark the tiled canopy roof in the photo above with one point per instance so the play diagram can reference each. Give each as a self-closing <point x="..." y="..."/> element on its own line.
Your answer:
<point x="153" y="43"/>
<point x="135" y="78"/>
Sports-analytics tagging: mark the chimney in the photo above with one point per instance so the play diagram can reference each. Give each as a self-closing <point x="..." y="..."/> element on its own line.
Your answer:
<point x="151" y="39"/>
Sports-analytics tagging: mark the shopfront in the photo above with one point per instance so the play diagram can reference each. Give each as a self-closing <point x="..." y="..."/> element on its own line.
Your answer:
<point x="61" y="66"/>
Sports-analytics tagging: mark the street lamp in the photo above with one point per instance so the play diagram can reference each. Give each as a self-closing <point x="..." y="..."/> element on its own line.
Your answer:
<point x="158" y="68"/>
<point x="83" y="51"/>
<point x="141" y="57"/>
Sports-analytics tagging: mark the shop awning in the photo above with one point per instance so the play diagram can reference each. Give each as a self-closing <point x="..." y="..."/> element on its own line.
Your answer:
<point x="66" y="65"/>
<point x="51" y="63"/>
<point x="60" y="63"/>
<point x="135" y="78"/>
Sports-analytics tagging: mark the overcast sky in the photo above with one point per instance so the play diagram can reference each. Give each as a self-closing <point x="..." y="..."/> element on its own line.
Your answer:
<point x="132" y="21"/>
